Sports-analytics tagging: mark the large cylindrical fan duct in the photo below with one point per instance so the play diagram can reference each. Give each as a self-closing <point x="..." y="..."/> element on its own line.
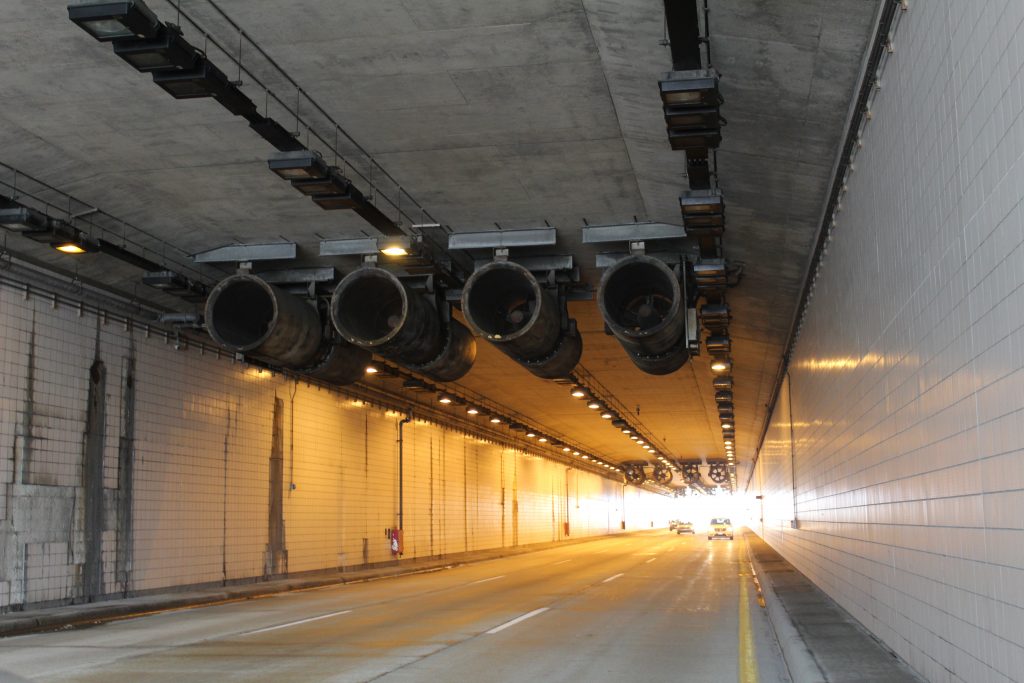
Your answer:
<point x="504" y="303"/>
<point x="248" y="315"/>
<point x="456" y="357"/>
<point x="642" y="303"/>
<point x="340" y="363"/>
<point x="372" y="308"/>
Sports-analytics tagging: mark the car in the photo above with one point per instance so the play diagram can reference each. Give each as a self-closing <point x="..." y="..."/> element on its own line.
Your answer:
<point x="721" y="527"/>
<point x="684" y="528"/>
<point x="673" y="524"/>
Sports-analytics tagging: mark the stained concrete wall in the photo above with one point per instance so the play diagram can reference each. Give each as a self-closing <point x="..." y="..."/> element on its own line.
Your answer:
<point x="129" y="464"/>
<point x="896" y="444"/>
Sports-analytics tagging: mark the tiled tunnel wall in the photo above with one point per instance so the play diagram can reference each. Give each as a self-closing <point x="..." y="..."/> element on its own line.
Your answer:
<point x="897" y="442"/>
<point x="129" y="465"/>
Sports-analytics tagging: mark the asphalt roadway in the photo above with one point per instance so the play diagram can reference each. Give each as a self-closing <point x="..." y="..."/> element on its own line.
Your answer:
<point x="648" y="607"/>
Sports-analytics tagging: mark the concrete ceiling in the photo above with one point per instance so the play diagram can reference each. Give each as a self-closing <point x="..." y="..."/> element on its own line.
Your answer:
<point x="486" y="112"/>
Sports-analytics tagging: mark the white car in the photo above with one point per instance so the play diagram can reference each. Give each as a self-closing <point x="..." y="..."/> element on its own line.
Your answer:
<point x="721" y="527"/>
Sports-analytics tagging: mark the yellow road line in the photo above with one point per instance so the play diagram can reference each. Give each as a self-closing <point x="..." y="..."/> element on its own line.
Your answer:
<point x="747" y="651"/>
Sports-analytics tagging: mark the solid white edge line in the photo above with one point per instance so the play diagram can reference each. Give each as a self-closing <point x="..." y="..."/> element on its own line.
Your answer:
<point x="563" y="562"/>
<point x="518" y="619"/>
<point x="650" y="560"/>
<point x="493" y="578"/>
<point x="612" y="578"/>
<point x="296" y="623"/>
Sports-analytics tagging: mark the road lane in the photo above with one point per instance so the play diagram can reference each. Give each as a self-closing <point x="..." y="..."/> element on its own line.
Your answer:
<point x="583" y="612"/>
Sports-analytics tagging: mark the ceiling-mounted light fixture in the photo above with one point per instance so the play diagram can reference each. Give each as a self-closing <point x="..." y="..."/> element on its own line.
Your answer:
<point x="531" y="435"/>
<point x="333" y="183"/>
<point x="445" y="399"/>
<point x="77" y="244"/>
<point x="204" y="80"/>
<point x="578" y="392"/>
<point x="606" y="415"/>
<point x="722" y="382"/>
<point x="703" y="212"/>
<point x="697" y="87"/>
<point x="575" y="452"/>
<point x="301" y="165"/>
<point x="23" y="219"/>
<point x="472" y="410"/>
<point x="690" y="102"/>
<point x="543" y="439"/>
<point x="395" y="246"/>
<point x="593" y="404"/>
<point x="495" y="420"/>
<point x="166" y="52"/>
<point x="718" y="344"/>
<point x="106" y="21"/>
<point x="721" y="365"/>
<point x="372" y="369"/>
<point x="566" y="449"/>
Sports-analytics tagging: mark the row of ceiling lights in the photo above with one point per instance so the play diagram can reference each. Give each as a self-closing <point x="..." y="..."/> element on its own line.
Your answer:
<point x="578" y="392"/>
<point x="477" y="410"/>
<point x="581" y="392"/>
<point x="691" y="100"/>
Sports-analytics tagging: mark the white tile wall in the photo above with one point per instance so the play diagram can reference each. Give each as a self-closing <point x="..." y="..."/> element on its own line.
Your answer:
<point x="907" y="384"/>
<point x="201" y="492"/>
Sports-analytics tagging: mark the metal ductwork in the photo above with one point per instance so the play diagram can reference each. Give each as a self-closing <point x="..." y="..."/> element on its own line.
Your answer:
<point x="504" y="303"/>
<point x="247" y="315"/>
<point x="340" y="363"/>
<point x="662" y="475"/>
<point x="373" y="309"/>
<point x="634" y="473"/>
<point x="644" y="306"/>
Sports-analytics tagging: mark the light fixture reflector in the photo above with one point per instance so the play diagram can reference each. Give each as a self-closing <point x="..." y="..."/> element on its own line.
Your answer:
<point x="693" y="88"/>
<point x="23" y="219"/>
<point x="340" y="201"/>
<point x="168" y="51"/>
<point x="300" y="165"/>
<point x="204" y="80"/>
<point x="106" y="21"/>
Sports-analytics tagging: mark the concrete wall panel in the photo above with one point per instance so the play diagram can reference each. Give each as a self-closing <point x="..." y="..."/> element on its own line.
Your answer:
<point x="206" y="471"/>
<point x="904" y="404"/>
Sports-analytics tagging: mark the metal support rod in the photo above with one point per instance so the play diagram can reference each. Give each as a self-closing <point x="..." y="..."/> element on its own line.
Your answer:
<point x="707" y="32"/>
<point x="401" y="479"/>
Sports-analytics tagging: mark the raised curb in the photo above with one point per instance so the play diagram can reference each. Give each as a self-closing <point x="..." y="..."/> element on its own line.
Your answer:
<point x="803" y="668"/>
